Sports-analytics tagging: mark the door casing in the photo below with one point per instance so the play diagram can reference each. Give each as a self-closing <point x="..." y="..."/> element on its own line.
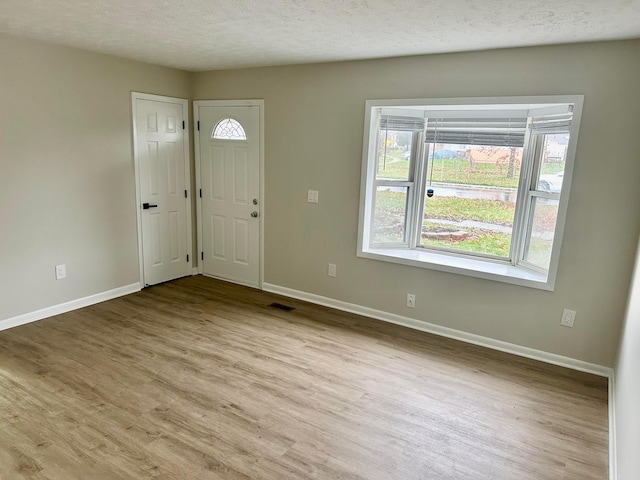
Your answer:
<point x="196" y="117"/>
<point x="189" y="213"/>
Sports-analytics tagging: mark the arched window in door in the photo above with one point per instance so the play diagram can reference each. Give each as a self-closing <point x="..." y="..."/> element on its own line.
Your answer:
<point x="228" y="129"/>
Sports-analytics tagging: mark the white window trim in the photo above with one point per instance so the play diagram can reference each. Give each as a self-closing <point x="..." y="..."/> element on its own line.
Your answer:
<point x="479" y="267"/>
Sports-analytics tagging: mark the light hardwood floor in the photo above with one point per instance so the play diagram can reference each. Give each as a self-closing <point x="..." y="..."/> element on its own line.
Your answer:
<point x="200" y="379"/>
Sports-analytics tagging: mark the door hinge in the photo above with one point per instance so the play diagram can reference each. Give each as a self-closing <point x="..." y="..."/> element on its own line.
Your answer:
<point x="183" y="125"/>
<point x="198" y="125"/>
<point x="187" y="258"/>
<point x="185" y="194"/>
<point x="200" y="193"/>
<point x="201" y="255"/>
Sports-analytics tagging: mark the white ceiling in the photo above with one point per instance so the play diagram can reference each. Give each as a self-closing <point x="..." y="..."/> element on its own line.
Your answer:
<point x="221" y="34"/>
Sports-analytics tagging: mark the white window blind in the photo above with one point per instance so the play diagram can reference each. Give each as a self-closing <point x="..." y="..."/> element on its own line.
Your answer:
<point x="507" y="132"/>
<point x="400" y="123"/>
<point x="551" y="123"/>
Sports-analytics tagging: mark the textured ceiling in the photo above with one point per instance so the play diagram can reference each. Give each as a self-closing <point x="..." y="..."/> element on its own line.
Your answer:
<point x="221" y="34"/>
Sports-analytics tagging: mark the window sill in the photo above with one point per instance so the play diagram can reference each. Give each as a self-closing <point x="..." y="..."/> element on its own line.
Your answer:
<point x="486" y="269"/>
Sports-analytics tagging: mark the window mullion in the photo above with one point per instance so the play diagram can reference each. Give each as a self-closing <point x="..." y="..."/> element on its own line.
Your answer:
<point x="411" y="203"/>
<point x="418" y="190"/>
<point x="530" y="159"/>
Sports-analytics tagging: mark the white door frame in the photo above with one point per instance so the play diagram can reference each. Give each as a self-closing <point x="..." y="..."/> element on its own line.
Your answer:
<point x="196" y="118"/>
<point x="187" y="172"/>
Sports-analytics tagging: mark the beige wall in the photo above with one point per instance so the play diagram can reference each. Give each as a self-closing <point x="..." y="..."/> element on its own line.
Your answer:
<point x="314" y="126"/>
<point x="627" y="387"/>
<point x="66" y="171"/>
<point x="67" y="187"/>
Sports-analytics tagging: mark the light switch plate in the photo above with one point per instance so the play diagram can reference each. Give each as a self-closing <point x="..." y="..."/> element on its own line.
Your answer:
<point x="61" y="272"/>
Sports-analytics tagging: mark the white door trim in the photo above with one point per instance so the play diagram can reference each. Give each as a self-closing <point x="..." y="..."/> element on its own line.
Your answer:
<point x="196" y="118"/>
<point x="187" y="173"/>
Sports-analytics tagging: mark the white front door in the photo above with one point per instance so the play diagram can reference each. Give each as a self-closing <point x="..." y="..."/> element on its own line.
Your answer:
<point x="162" y="168"/>
<point x="228" y="161"/>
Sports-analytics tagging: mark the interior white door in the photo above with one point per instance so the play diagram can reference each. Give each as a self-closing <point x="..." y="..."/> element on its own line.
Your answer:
<point x="229" y="162"/>
<point x="162" y="186"/>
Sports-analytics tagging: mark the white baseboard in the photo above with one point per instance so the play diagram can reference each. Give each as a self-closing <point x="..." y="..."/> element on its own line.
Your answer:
<point x="443" y="331"/>
<point x="194" y="271"/>
<point x="613" y="457"/>
<point x="68" y="306"/>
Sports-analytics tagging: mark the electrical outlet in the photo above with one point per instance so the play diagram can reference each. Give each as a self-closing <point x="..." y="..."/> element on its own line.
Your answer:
<point x="411" y="300"/>
<point x="331" y="271"/>
<point x="61" y="272"/>
<point x="312" y="196"/>
<point x="568" y="317"/>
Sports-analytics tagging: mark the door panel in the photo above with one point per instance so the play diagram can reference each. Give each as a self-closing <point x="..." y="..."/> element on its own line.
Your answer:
<point x="218" y="238"/>
<point x="240" y="177"/>
<point x="241" y="241"/>
<point x="217" y="176"/>
<point x="162" y="184"/>
<point x="230" y="177"/>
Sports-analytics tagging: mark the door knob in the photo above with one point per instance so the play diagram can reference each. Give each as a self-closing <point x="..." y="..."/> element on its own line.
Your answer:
<point x="254" y="214"/>
<point x="147" y="206"/>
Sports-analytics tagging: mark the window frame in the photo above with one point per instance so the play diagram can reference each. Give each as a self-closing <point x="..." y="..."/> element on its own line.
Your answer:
<point x="515" y="269"/>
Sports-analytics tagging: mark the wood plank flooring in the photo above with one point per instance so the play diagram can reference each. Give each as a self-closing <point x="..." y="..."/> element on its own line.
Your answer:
<point x="200" y="379"/>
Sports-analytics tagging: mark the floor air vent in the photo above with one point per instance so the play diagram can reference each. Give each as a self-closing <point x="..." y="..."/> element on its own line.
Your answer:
<point x="280" y="306"/>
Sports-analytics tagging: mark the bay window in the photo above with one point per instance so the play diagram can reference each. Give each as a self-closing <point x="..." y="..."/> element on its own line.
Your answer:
<point x="471" y="186"/>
